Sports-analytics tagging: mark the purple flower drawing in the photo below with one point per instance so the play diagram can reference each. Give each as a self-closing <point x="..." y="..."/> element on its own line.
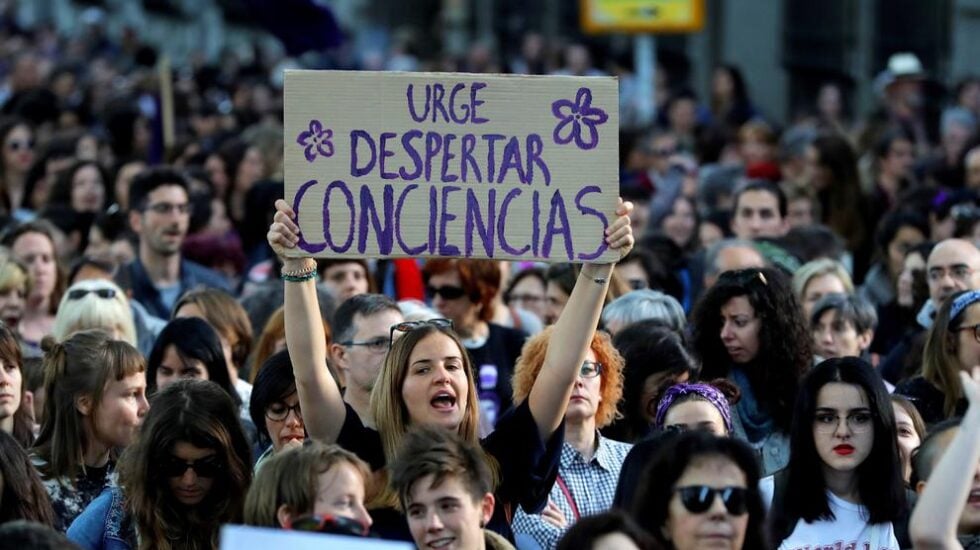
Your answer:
<point x="578" y="120"/>
<point x="316" y="140"/>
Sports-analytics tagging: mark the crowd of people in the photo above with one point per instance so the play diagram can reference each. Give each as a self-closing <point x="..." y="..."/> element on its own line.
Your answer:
<point x="786" y="354"/>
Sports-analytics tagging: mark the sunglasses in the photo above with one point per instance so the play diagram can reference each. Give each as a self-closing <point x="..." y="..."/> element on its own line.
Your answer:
<point x="699" y="498"/>
<point x="79" y="293"/>
<point x="409" y="326"/>
<point x="17" y="145"/>
<point x="447" y="292"/>
<point x="327" y="524"/>
<point x="208" y="467"/>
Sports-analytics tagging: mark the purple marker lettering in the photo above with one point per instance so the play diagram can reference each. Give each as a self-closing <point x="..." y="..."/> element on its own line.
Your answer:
<point x="511" y="159"/>
<point x="355" y="137"/>
<point x="433" y="142"/>
<point x="491" y="139"/>
<point x="474" y="220"/>
<point x="411" y="251"/>
<point x="536" y="224"/>
<point x="446" y="249"/>
<point x="438" y="93"/>
<point x="447" y="141"/>
<point x="411" y="104"/>
<point x="386" y="153"/>
<point x="557" y="214"/>
<point x="305" y="245"/>
<point x="534" y="147"/>
<point x="349" y="197"/>
<point x="592" y="212"/>
<point x="369" y="213"/>
<point x="452" y="104"/>
<point x="434" y="210"/>
<point x="466" y="158"/>
<point x="502" y="224"/>
<point x="413" y="154"/>
<point x="474" y="102"/>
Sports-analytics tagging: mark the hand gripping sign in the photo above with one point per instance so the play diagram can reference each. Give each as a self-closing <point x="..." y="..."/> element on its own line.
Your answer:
<point x="391" y="165"/>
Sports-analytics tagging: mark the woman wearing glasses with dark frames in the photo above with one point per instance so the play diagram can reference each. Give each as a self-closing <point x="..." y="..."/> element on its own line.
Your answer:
<point x="701" y="491"/>
<point x="843" y="486"/>
<point x="426" y="381"/>
<point x="185" y="477"/>
<point x="952" y="346"/>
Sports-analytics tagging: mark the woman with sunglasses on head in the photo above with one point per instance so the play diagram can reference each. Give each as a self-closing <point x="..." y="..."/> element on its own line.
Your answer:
<point x="33" y="245"/>
<point x="426" y="380"/>
<point x="749" y="328"/>
<point x="701" y="491"/>
<point x="589" y="464"/>
<point x="314" y="487"/>
<point x="952" y="346"/>
<point x="275" y="409"/>
<point x="95" y="304"/>
<point x="94" y="405"/>
<point x="185" y="476"/>
<point x="843" y="485"/>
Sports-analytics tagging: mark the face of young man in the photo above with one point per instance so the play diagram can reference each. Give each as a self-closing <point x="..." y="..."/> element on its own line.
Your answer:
<point x="447" y="516"/>
<point x="757" y="215"/>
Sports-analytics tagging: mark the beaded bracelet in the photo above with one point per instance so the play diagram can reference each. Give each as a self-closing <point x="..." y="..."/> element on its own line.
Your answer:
<point x="299" y="276"/>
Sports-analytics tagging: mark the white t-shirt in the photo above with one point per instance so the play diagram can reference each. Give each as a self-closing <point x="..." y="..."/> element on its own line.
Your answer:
<point x="850" y="531"/>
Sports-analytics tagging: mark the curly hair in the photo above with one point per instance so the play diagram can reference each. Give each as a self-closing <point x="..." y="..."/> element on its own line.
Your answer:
<point x="479" y="278"/>
<point x="785" y="342"/>
<point x="532" y="359"/>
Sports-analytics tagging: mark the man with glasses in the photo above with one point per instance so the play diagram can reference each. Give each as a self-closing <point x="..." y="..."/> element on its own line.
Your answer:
<point x="160" y="215"/>
<point x="362" y="335"/>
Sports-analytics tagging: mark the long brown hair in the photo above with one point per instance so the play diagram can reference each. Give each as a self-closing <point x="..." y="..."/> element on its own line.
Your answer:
<point x="23" y="495"/>
<point x="940" y="364"/>
<point x="80" y="366"/>
<point x="202" y="414"/>
<point x="226" y="315"/>
<point x="10" y="355"/>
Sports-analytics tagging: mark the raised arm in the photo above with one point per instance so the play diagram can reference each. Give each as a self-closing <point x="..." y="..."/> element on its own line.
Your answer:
<point x="319" y="397"/>
<point x="938" y="511"/>
<point x="573" y="332"/>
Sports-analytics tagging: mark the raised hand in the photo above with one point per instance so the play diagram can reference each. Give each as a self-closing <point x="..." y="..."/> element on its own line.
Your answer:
<point x="619" y="234"/>
<point x="283" y="233"/>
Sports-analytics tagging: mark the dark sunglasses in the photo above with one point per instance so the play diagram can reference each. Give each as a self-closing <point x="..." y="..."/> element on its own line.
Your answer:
<point x="327" y="524"/>
<point x="409" y="326"/>
<point x="447" y="292"/>
<point x="17" y="145"/>
<point x="699" y="498"/>
<point x="79" y="293"/>
<point x="208" y="467"/>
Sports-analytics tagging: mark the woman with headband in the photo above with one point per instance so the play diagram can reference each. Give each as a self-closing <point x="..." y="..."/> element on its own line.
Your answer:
<point x="952" y="345"/>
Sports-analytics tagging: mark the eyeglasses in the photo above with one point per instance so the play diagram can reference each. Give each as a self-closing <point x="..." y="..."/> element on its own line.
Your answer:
<point x="327" y="524"/>
<point x="168" y="207"/>
<point x="956" y="272"/>
<point x="447" y="292"/>
<point x="17" y="145"/>
<point x="699" y="498"/>
<point x="376" y="345"/>
<point x="590" y="369"/>
<point x="975" y="329"/>
<point x="279" y="411"/>
<point x="79" y="293"/>
<point x="857" y="422"/>
<point x="409" y="326"/>
<point x="208" y="467"/>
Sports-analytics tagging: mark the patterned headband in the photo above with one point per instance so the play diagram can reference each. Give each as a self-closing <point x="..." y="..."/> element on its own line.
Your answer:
<point x="707" y="392"/>
<point x="963" y="301"/>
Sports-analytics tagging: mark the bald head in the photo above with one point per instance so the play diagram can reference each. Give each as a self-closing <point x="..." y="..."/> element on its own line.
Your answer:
<point x="953" y="266"/>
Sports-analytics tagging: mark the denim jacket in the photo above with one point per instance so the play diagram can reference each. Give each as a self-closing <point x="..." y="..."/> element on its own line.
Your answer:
<point x="105" y="524"/>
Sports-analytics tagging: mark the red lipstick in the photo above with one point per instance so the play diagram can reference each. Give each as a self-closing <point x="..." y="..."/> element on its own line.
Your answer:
<point x="844" y="450"/>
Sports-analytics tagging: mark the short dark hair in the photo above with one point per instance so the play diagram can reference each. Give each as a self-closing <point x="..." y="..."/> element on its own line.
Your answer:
<point x="364" y="305"/>
<point x="274" y="382"/>
<point x="585" y="532"/>
<point x="890" y="225"/>
<point x="925" y="458"/>
<point x="881" y="488"/>
<point x="193" y="338"/>
<point x="149" y="180"/>
<point x="672" y="458"/>
<point x="442" y="454"/>
<point x="28" y="534"/>
<point x="765" y="186"/>
<point x="852" y="308"/>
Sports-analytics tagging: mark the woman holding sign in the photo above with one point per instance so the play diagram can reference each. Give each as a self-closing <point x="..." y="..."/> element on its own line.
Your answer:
<point x="426" y="380"/>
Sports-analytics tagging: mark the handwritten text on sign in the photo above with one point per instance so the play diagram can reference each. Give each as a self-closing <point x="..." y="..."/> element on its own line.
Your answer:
<point x="424" y="164"/>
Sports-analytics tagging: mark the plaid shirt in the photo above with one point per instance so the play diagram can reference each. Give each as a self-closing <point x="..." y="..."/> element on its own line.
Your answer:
<point x="591" y="484"/>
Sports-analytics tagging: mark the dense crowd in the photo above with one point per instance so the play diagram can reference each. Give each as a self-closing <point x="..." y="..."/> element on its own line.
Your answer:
<point x="786" y="354"/>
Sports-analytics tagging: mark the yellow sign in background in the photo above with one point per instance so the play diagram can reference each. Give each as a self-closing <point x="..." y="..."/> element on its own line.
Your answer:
<point x="647" y="16"/>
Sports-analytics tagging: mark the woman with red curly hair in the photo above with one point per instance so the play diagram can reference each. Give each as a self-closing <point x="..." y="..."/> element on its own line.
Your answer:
<point x="589" y="464"/>
<point x="463" y="291"/>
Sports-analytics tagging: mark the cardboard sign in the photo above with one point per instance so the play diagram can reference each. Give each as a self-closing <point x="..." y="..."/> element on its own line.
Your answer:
<point x="241" y="537"/>
<point x="390" y="165"/>
<point x="642" y="16"/>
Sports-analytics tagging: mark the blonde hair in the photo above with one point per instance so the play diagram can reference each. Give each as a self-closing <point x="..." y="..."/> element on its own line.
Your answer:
<point x="92" y="311"/>
<point x="819" y="268"/>
<point x="13" y="274"/>
<point x="611" y="375"/>
<point x="290" y="478"/>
